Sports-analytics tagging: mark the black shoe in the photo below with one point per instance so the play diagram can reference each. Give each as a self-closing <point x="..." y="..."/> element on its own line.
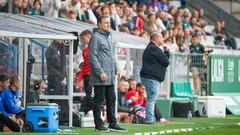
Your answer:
<point x="148" y="123"/>
<point x="102" y="129"/>
<point x="117" y="129"/>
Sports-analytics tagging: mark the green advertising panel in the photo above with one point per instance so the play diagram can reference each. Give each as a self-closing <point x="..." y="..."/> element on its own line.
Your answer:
<point x="224" y="80"/>
<point x="224" y="74"/>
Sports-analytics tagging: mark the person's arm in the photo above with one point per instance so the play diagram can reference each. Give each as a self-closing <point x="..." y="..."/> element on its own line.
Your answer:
<point x="10" y="105"/>
<point x="162" y="58"/>
<point x="93" y="54"/>
<point x="5" y="113"/>
<point x="123" y="108"/>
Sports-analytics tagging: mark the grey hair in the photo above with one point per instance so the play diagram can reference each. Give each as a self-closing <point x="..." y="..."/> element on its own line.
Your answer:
<point x="155" y="35"/>
<point x="102" y="17"/>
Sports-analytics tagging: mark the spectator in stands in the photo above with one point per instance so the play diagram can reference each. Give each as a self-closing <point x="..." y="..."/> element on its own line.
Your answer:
<point x="149" y="10"/>
<point x="186" y="22"/>
<point x="195" y="14"/>
<point x="185" y="41"/>
<point x="56" y="67"/>
<point x="230" y="41"/>
<point x="104" y="11"/>
<point x="83" y="14"/>
<point x="139" y="21"/>
<point x="172" y="11"/>
<point x="69" y="5"/>
<point x="123" y="110"/>
<point x="30" y="2"/>
<point x="136" y="32"/>
<point x="163" y="5"/>
<point x="134" y="9"/>
<point x="197" y="63"/>
<point x="4" y="6"/>
<point x="115" y="19"/>
<point x="12" y="101"/>
<point x="7" y="121"/>
<point x="25" y="7"/>
<point x="86" y="13"/>
<point x="16" y="9"/>
<point x="219" y="35"/>
<point x="179" y="37"/>
<point x="178" y="22"/>
<point x="171" y="41"/>
<point x="161" y="21"/>
<point x="72" y="15"/>
<point x="196" y="29"/>
<point x="51" y="7"/>
<point x="39" y="87"/>
<point x="201" y="12"/>
<point x="155" y="62"/>
<point x="36" y="10"/>
<point x="103" y="68"/>
<point x="155" y="4"/>
<point x="83" y="77"/>
<point x="144" y="35"/>
<point x="151" y="24"/>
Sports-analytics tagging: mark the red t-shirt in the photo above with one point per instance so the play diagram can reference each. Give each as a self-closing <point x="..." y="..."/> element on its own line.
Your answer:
<point x="135" y="93"/>
<point x="85" y="69"/>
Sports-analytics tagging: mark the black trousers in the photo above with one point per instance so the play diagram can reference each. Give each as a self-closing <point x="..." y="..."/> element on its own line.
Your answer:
<point x="104" y="92"/>
<point x="88" y="101"/>
<point x="4" y="120"/>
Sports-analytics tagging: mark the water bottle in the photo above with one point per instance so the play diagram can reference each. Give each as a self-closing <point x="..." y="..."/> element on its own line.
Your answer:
<point x="21" y="128"/>
<point x="189" y="115"/>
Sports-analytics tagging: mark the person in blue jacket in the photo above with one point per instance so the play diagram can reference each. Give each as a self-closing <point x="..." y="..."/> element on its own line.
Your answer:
<point x="6" y="119"/>
<point x="12" y="103"/>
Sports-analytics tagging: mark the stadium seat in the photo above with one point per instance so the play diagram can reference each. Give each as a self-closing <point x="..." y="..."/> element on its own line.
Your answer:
<point x="182" y="99"/>
<point x="181" y="90"/>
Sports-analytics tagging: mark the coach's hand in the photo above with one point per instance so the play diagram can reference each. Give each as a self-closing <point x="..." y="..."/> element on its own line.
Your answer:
<point x="103" y="76"/>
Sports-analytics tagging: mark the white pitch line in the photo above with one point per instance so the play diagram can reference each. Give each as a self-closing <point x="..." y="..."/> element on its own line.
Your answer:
<point x="175" y="131"/>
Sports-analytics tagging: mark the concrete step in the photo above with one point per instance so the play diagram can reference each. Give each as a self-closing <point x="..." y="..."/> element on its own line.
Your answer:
<point x="237" y="15"/>
<point x="235" y="7"/>
<point x="225" y="5"/>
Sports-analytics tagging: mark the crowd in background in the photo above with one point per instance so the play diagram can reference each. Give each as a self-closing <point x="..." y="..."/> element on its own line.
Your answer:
<point x="137" y="17"/>
<point x="179" y="27"/>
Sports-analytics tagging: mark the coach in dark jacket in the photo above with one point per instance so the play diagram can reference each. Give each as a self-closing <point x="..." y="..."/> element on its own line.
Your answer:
<point x="155" y="63"/>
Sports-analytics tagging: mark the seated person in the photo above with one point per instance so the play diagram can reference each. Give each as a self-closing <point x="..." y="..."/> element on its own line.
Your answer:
<point x="123" y="110"/>
<point x="39" y="87"/>
<point x="12" y="102"/>
<point x="8" y="122"/>
<point x="137" y="98"/>
<point x="132" y="84"/>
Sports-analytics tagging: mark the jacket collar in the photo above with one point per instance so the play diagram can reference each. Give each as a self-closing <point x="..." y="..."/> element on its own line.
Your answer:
<point x="104" y="32"/>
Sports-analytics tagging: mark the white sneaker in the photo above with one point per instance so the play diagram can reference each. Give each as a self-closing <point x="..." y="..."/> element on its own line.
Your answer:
<point x="162" y="120"/>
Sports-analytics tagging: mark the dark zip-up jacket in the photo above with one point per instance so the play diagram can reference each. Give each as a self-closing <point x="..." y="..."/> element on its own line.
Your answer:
<point x="155" y="63"/>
